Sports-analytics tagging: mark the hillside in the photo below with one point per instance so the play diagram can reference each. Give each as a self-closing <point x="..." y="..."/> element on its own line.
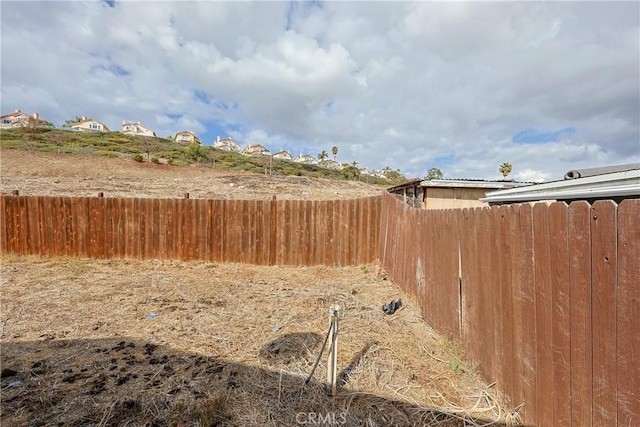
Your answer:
<point x="45" y="173"/>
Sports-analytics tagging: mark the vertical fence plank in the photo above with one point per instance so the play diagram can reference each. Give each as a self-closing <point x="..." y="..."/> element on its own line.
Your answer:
<point x="579" y="239"/>
<point x="96" y="227"/>
<point x="505" y="311"/>
<point x="494" y="285"/>
<point x="319" y="240"/>
<point x="517" y="306"/>
<point x="23" y="225"/>
<point x="628" y="313"/>
<point x="163" y="231"/>
<point x="199" y="235"/>
<point x="155" y="221"/>
<point x="48" y="223"/>
<point x="307" y="246"/>
<point x="603" y="327"/>
<point x="561" y="326"/>
<point x="527" y="299"/>
<point x="471" y="284"/>
<point x="32" y="209"/>
<point x="257" y="233"/>
<point x="544" y="313"/>
<point x="11" y="213"/>
<point x="216" y="230"/>
<point x="4" y="225"/>
<point x="244" y="231"/>
<point x="81" y="226"/>
<point x="337" y="233"/>
<point x="188" y="227"/>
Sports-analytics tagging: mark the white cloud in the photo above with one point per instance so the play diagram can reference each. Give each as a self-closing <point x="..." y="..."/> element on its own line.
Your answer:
<point x="405" y="85"/>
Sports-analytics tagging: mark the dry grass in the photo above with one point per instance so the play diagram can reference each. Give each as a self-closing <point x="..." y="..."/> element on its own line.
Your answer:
<point x="46" y="174"/>
<point x="173" y="343"/>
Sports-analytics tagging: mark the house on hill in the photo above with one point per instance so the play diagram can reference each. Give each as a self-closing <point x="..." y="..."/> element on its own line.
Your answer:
<point x="18" y="119"/>
<point x="88" y="125"/>
<point x="256" y="150"/>
<point x="187" y="137"/>
<point x="227" y="144"/>
<point x="136" y="128"/>
<point x="307" y="159"/>
<point x="283" y="155"/>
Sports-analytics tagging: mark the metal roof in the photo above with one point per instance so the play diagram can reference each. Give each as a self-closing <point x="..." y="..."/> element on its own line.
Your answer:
<point x="472" y="183"/>
<point x="581" y="173"/>
<point x="624" y="184"/>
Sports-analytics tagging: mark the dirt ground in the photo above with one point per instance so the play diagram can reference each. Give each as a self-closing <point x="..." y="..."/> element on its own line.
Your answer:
<point x="38" y="173"/>
<point x="153" y="343"/>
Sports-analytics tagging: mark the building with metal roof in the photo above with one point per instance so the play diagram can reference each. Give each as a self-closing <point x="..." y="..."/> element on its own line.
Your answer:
<point x="611" y="183"/>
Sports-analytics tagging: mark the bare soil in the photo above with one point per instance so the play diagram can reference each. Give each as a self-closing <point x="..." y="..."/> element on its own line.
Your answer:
<point x="154" y="343"/>
<point x="39" y="174"/>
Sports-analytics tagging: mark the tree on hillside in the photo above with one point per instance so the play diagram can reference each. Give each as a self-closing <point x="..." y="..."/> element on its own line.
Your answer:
<point x="323" y="156"/>
<point x="197" y="152"/>
<point x="394" y="176"/>
<point x="213" y="154"/>
<point x="58" y="138"/>
<point x="505" y="169"/>
<point x="334" y="151"/>
<point x="351" y="171"/>
<point x="148" y="145"/>
<point x="434" y="173"/>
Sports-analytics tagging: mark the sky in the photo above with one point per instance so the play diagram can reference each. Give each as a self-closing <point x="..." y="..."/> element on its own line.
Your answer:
<point x="460" y="86"/>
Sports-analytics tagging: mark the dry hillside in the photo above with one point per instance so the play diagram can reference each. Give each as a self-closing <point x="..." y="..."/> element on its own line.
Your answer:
<point x="40" y="173"/>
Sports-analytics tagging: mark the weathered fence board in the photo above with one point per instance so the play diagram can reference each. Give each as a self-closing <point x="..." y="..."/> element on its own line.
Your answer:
<point x="549" y="299"/>
<point x="604" y="283"/>
<point x="628" y="315"/>
<point x="560" y="313"/>
<point x="579" y="238"/>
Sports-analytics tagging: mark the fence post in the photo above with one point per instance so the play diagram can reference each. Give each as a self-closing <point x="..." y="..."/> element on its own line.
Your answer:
<point x="332" y="363"/>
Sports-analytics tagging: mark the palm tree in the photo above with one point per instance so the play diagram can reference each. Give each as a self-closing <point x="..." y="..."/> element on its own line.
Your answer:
<point x="334" y="151"/>
<point x="505" y="169"/>
<point x="323" y="156"/>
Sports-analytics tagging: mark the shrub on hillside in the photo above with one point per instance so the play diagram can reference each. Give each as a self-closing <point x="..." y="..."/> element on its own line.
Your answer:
<point x="137" y="157"/>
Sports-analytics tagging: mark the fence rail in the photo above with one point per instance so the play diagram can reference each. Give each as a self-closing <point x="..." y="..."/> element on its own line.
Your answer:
<point x="273" y="232"/>
<point x="545" y="297"/>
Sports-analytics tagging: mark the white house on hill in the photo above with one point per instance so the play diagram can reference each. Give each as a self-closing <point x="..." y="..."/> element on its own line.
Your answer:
<point x="227" y="144"/>
<point x="306" y="159"/>
<point x="88" y="125"/>
<point x="136" y="128"/>
<point x="256" y="150"/>
<point x="283" y="155"/>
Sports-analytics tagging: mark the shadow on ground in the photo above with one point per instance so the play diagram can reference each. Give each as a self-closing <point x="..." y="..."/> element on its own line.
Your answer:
<point x="116" y="382"/>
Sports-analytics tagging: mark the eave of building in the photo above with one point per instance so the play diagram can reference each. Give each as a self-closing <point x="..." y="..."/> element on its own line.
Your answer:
<point x="618" y="184"/>
<point x="462" y="183"/>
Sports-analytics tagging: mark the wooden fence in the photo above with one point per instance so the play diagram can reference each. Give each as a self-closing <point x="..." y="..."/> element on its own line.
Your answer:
<point x="545" y="297"/>
<point x="282" y="232"/>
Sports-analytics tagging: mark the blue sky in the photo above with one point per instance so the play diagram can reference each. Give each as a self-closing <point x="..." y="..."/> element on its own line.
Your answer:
<point x="463" y="86"/>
